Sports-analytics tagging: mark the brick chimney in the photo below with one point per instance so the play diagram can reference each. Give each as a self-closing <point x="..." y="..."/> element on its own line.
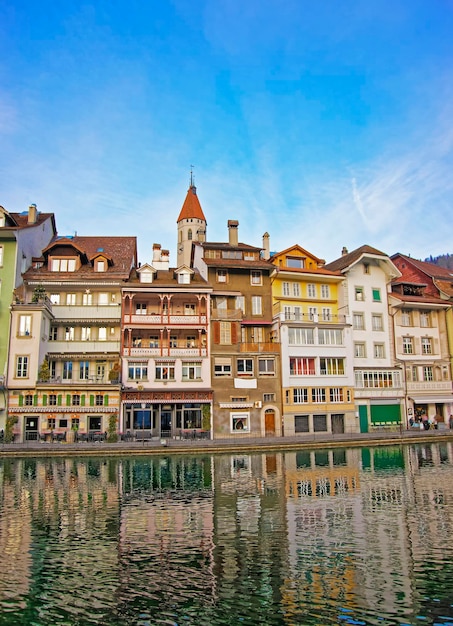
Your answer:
<point x="344" y="251"/>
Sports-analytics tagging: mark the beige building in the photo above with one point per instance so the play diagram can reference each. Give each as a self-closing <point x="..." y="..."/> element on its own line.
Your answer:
<point x="63" y="374"/>
<point x="245" y="358"/>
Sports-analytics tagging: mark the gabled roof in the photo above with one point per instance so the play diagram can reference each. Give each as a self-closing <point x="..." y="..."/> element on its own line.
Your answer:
<point x="191" y="209"/>
<point x="258" y="264"/>
<point x="441" y="277"/>
<point x="184" y="269"/>
<point x="147" y="267"/>
<point x="168" y="279"/>
<point x="20" y="220"/>
<point x="122" y="251"/>
<point x="66" y="242"/>
<point x="430" y="269"/>
<point x="225" y="245"/>
<point x="301" y="251"/>
<point x="421" y="300"/>
<point x="346" y="260"/>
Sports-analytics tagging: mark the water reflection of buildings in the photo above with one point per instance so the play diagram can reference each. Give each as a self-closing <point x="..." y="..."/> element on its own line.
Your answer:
<point x="166" y="535"/>
<point x="160" y="536"/>
<point x="59" y="517"/>
<point x="250" y="533"/>
<point x="15" y="540"/>
<point x="322" y="503"/>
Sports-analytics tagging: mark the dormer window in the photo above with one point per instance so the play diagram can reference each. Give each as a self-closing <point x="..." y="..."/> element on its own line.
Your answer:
<point x="146" y="273"/>
<point x="2" y="219"/>
<point x="62" y="265"/>
<point x="184" y="278"/>
<point x="297" y="262"/>
<point x="100" y="265"/>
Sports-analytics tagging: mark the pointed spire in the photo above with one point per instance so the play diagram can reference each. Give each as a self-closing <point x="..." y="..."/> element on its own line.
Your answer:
<point x="191" y="209"/>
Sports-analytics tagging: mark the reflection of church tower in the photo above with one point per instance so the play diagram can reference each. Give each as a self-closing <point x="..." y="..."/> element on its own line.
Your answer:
<point x="191" y="225"/>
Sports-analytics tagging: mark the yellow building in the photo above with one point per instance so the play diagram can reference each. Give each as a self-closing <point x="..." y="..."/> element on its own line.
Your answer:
<point x="317" y="371"/>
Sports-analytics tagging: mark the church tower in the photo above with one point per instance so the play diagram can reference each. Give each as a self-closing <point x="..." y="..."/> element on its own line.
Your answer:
<point x="191" y="225"/>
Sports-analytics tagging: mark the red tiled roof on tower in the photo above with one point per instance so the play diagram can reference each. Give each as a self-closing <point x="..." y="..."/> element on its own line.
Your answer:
<point x="191" y="207"/>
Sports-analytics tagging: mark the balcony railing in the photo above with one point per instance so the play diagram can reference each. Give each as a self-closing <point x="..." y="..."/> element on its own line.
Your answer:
<point x="162" y="320"/>
<point x="430" y="385"/>
<point x="62" y="347"/>
<point x="91" y="380"/>
<point x="310" y="318"/>
<point x="259" y="347"/>
<point x="227" y="314"/>
<point x="171" y="352"/>
<point x="99" y="313"/>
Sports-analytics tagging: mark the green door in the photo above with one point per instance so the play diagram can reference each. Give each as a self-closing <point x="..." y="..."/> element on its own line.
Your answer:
<point x="363" y="416"/>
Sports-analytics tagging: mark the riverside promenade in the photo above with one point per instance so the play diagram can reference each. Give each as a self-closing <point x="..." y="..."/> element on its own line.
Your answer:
<point x="227" y="445"/>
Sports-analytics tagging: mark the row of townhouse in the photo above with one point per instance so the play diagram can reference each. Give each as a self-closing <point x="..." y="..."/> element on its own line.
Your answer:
<point x="235" y="340"/>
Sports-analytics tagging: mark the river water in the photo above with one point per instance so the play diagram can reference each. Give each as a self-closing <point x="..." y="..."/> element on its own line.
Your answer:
<point x="344" y="536"/>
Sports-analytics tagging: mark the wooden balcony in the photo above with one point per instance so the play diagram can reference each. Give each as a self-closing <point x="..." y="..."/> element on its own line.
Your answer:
<point x="259" y="347"/>
<point x="165" y="320"/>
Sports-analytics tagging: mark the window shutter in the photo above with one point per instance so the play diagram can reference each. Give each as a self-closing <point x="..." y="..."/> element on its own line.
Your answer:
<point x="59" y="400"/>
<point x="44" y="399"/>
<point x="35" y="399"/>
<point x="21" y="400"/>
<point x="106" y="400"/>
<point x="216" y="332"/>
<point x="234" y="332"/>
<point x="91" y="400"/>
<point x="82" y="400"/>
<point x="68" y="399"/>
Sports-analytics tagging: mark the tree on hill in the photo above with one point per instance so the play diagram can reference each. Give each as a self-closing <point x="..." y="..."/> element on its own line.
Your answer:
<point x="443" y="260"/>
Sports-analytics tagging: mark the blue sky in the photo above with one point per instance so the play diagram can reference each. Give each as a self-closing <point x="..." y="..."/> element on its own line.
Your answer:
<point x="325" y="123"/>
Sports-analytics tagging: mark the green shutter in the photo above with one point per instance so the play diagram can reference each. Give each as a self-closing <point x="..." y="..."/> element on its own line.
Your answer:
<point x="21" y="400"/>
<point x="82" y="400"/>
<point x="91" y="400"/>
<point x="59" y="399"/>
<point x="35" y="399"/>
<point x="68" y="399"/>
<point x="44" y="399"/>
<point x="106" y="400"/>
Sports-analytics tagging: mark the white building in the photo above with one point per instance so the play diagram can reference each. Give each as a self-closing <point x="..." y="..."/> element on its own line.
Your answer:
<point x="379" y="380"/>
